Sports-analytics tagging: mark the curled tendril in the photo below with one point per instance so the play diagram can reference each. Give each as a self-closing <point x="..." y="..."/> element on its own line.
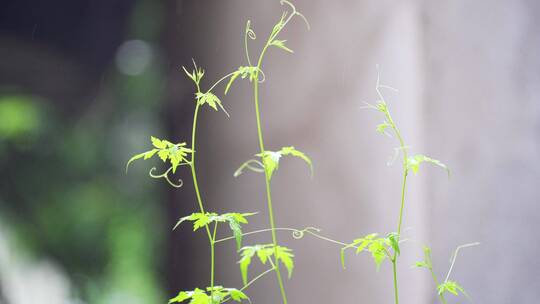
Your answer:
<point x="298" y="234"/>
<point x="262" y="75"/>
<point x="165" y="175"/>
<point x="249" y="32"/>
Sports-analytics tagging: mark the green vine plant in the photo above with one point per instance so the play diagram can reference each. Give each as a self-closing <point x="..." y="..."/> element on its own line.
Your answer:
<point x="267" y="162"/>
<point x="388" y="246"/>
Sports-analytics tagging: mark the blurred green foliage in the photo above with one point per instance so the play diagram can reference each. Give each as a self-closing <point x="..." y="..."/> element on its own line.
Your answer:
<point x="64" y="193"/>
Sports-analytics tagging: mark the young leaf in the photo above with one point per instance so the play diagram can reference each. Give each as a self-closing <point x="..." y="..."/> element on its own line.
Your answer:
<point x="281" y="44"/>
<point x="158" y="143"/>
<point x="199" y="220"/>
<point x="451" y="287"/>
<point x="270" y="159"/>
<point x="200" y="297"/>
<point x="237" y="295"/>
<point x="246" y="254"/>
<point x="181" y="297"/>
<point x="176" y="153"/>
<point x="285" y="255"/>
<point x="243" y="71"/>
<point x="235" y="220"/>
<point x="265" y="252"/>
<point x="378" y="251"/>
<point x="364" y="242"/>
<point x="292" y="151"/>
<point x="381" y="128"/>
<point x="413" y="163"/>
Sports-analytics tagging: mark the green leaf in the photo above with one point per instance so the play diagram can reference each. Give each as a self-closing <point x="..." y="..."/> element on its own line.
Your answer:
<point x="413" y="163"/>
<point x="200" y="297"/>
<point x="292" y="151"/>
<point x="181" y="297"/>
<point x="244" y="72"/>
<point x="270" y="159"/>
<point x="451" y="287"/>
<point x="285" y="255"/>
<point x="158" y="143"/>
<point x="246" y="254"/>
<point x="237" y="295"/>
<point x="199" y="220"/>
<point x="281" y="44"/>
<point x="212" y="100"/>
<point x="378" y="252"/>
<point x="175" y="153"/>
<point x="381" y="128"/>
<point x="364" y="242"/>
<point x="265" y="252"/>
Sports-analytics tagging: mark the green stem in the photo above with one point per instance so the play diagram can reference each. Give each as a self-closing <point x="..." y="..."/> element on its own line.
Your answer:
<point x="267" y="182"/>
<point x="441" y="296"/>
<point x="198" y="192"/>
<point x="403" y="148"/>
<point x="266" y="176"/>
<point x="394" y="270"/>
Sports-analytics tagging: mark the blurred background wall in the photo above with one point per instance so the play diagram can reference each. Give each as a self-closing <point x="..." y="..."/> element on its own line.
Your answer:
<point x="84" y="84"/>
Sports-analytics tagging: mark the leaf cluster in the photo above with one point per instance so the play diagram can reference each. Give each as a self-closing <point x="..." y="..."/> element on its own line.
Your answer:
<point x="235" y="220"/>
<point x="270" y="161"/>
<point x="211" y="100"/>
<point x="377" y="246"/>
<point x="451" y="287"/>
<point x="265" y="253"/>
<point x="250" y="72"/>
<point x="212" y="295"/>
<point x="175" y="153"/>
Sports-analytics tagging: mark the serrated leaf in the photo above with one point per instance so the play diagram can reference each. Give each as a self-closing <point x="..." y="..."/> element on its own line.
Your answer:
<point x="246" y="254"/>
<point x="378" y="252"/>
<point x="270" y="160"/>
<point x="181" y="297"/>
<point x="163" y="154"/>
<point x="237" y="295"/>
<point x="451" y="287"/>
<point x="200" y="297"/>
<point x="212" y="100"/>
<point x="296" y="153"/>
<point x="175" y="153"/>
<point x="158" y="143"/>
<point x="264" y="252"/>
<point x="286" y="257"/>
<point x="413" y="163"/>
